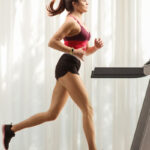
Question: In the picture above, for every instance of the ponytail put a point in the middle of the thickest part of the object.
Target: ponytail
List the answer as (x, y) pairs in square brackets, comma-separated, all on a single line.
[(58, 10), (64, 4)]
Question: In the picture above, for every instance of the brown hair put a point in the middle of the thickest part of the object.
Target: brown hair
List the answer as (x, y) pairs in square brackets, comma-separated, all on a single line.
[(63, 4)]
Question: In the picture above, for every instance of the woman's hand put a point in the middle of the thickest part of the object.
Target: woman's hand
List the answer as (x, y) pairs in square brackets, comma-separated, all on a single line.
[(98, 43), (79, 53)]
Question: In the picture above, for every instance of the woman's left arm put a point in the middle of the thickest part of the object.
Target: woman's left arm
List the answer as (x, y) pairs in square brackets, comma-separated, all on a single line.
[(97, 44)]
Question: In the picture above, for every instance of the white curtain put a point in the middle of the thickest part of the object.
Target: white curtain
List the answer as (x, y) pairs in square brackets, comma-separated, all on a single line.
[(27, 79)]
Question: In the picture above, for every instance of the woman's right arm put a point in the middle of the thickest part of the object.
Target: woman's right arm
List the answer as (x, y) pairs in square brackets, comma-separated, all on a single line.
[(64, 30)]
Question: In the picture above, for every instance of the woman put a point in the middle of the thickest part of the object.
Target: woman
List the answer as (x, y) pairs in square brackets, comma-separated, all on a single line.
[(68, 81)]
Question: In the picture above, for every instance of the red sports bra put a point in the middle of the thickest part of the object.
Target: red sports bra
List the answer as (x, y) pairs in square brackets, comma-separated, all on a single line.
[(79, 40)]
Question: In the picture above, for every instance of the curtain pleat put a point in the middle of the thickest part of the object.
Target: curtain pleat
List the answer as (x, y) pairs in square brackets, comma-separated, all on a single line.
[(27, 73)]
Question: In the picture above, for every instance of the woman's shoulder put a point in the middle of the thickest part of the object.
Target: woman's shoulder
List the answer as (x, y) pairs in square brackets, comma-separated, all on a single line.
[(68, 24), (70, 20)]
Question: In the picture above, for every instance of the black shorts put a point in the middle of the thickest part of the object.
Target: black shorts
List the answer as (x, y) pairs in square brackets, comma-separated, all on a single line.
[(67, 63)]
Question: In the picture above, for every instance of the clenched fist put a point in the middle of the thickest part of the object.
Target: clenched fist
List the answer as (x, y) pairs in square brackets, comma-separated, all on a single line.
[(98, 43)]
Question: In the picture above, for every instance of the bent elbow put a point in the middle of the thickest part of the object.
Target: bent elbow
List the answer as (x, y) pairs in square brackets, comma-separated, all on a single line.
[(50, 44)]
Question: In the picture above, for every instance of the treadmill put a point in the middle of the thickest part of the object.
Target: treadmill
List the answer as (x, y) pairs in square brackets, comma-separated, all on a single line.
[(141, 139)]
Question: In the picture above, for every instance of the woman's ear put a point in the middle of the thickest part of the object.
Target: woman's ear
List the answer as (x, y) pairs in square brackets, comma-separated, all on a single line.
[(74, 3)]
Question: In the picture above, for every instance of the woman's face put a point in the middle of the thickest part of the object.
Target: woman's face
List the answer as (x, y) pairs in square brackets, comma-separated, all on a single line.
[(82, 5)]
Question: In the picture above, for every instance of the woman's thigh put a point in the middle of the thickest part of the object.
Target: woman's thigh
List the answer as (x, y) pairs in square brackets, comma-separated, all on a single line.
[(59, 98), (76, 89)]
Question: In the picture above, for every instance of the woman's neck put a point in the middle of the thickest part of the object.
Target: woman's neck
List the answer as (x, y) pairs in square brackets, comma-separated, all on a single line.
[(77, 15)]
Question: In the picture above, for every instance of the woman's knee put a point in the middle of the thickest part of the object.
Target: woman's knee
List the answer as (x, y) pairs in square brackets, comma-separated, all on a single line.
[(88, 110), (51, 116)]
